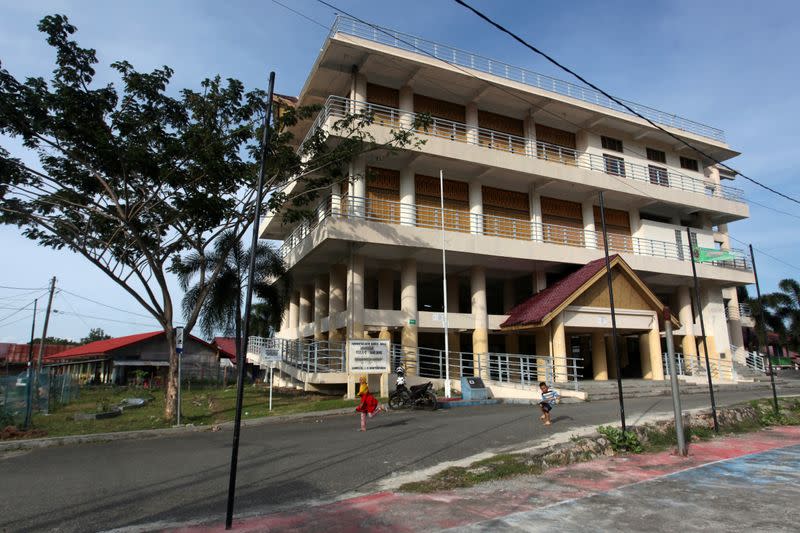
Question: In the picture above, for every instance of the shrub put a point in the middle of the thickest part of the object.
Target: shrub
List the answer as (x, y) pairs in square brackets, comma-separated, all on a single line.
[(621, 442)]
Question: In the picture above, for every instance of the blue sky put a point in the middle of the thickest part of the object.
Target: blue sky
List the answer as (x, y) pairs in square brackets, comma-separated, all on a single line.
[(730, 64)]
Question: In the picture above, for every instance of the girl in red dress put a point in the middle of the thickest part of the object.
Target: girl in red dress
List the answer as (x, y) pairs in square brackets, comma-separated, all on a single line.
[(369, 404)]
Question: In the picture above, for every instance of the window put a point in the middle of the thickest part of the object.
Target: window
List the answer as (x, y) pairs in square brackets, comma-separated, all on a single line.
[(614, 165), (656, 155), (609, 143), (658, 175), (689, 164), (679, 243)]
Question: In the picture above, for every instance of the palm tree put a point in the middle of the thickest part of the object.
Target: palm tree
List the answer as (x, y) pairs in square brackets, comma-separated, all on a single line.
[(785, 305), (222, 309)]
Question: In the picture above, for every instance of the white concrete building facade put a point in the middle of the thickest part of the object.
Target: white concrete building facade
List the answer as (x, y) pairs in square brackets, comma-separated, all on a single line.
[(524, 157)]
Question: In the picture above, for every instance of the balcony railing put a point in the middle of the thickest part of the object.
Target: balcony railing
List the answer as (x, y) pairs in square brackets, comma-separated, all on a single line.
[(392, 212), (337, 107), (465, 59)]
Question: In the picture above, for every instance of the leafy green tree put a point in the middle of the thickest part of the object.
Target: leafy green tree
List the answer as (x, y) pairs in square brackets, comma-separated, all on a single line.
[(95, 334), (783, 308), (55, 340), (133, 176)]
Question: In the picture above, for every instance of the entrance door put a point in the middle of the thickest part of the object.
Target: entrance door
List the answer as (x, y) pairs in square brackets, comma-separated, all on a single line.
[(632, 362), (580, 356)]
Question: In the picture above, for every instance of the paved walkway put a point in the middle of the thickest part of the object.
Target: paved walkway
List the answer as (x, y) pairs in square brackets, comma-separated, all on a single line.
[(747, 482)]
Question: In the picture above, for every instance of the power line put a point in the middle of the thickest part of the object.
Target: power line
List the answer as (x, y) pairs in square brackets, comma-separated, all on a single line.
[(23, 288), (40, 311), (762, 252), (63, 297), (318, 23), (614, 99), (105, 305), (101, 318)]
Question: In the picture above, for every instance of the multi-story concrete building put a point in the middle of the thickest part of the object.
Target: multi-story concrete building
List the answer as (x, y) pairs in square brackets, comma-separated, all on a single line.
[(524, 157)]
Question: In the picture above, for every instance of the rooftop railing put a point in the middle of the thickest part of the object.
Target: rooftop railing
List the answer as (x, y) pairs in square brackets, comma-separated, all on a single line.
[(393, 212), (337, 107), (465, 59)]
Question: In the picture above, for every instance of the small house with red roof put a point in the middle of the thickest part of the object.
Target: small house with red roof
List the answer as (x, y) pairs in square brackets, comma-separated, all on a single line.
[(577, 308), (143, 357)]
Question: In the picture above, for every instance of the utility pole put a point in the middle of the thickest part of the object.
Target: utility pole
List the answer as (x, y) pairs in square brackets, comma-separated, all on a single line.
[(673, 376), (242, 361), (617, 358), (29, 385), (703, 331), (44, 336), (444, 295), (763, 331)]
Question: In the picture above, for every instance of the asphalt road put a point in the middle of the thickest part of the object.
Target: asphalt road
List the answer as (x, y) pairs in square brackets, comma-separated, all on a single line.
[(93, 487)]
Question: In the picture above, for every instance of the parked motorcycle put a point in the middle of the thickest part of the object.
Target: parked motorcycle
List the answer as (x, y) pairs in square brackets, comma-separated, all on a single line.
[(417, 397)]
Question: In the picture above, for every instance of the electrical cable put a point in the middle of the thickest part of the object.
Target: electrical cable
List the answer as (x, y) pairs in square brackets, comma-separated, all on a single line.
[(105, 305), (614, 99)]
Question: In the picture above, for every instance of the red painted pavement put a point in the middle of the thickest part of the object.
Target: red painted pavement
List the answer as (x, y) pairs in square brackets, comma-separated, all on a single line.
[(388, 511)]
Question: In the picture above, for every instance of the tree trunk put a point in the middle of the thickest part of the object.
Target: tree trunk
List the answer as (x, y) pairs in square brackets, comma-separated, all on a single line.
[(171, 400)]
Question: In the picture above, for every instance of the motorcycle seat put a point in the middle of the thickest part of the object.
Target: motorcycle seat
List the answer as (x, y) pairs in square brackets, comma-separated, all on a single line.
[(420, 388)]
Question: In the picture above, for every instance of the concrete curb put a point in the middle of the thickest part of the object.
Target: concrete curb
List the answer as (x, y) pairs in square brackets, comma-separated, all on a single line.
[(48, 442)]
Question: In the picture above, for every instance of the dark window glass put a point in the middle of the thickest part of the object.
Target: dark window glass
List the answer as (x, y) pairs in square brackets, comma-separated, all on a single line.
[(658, 175), (614, 165), (656, 155), (689, 164), (609, 143)]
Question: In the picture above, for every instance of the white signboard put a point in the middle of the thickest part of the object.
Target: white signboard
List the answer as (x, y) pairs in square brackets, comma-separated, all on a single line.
[(179, 340), (368, 356), (269, 355)]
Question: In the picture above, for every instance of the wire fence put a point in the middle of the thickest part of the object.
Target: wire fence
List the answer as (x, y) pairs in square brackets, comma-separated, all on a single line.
[(51, 392)]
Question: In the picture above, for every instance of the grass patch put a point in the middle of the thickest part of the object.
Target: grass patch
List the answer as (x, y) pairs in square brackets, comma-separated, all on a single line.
[(204, 405), (498, 467), (621, 442)]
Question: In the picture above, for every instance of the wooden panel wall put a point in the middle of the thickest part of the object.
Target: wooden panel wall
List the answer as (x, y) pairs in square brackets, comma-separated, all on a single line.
[(555, 136), (565, 214), (493, 121), (383, 194), (378, 94), (456, 203), (440, 108), (626, 294), (513, 211), (618, 226)]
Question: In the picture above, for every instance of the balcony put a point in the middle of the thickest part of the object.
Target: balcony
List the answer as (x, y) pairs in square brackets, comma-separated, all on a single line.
[(337, 108), (397, 213), (461, 58)]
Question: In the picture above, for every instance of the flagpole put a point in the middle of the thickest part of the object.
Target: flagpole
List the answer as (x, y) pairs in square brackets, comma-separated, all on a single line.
[(617, 359), (762, 327), (444, 296), (702, 331)]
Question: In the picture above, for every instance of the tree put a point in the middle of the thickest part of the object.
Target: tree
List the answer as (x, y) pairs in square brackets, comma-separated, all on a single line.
[(95, 334), (55, 340), (783, 312), (221, 311), (136, 177)]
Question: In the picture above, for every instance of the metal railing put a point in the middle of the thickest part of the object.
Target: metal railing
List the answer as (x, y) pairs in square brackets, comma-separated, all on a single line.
[(756, 361), (465, 59), (338, 108), (691, 366), (745, 311), (392, 212), (329, 356), (680, 368)]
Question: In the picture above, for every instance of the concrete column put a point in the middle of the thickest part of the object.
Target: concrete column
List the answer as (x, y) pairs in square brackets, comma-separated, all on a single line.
[(408, 305), (453, 337), (321, 285), (635, 221), (688, 346), (306, 299), (358, 90), (535, 201), (650, 353), (725, 239), (480, 335), (472, 123), (539, 281), (476, 207), (359, 186), (355, 296), (590, 236), (530, 136), (542, 340), (285, 315), (559, 347), (336, 199), (406, 106), (599, 361), (294, 310), (408, 198)]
